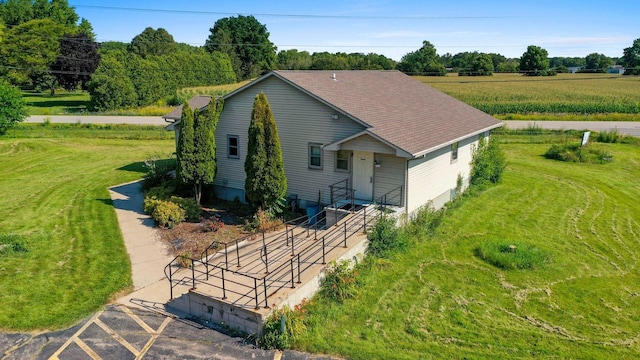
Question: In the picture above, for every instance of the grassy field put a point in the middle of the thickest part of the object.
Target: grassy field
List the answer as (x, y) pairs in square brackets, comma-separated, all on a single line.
[(60, 104), (61, 251), (440, 301), (584, 95)]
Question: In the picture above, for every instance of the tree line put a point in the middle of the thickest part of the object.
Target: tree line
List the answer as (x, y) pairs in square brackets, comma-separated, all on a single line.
[(45, 45)]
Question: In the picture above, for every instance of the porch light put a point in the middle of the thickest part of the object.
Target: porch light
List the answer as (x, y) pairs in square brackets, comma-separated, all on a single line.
[(377, 163)]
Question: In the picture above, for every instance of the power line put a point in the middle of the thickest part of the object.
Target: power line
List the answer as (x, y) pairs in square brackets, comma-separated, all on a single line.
[(309, 16)]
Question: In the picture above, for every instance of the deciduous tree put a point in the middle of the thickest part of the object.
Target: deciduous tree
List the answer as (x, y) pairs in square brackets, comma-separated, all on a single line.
[(595, 62), (110, 86), (535, 62), (13, 109), (77, 61), (16, 12), (152, 42), (423, 61), (631, 58), (479, 64), (266, 181), (246, 42), (30, 48)]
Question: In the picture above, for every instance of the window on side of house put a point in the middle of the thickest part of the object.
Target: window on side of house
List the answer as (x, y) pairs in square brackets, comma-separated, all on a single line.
[(454, 152), (315, 156), (233, 146), (343, 157)]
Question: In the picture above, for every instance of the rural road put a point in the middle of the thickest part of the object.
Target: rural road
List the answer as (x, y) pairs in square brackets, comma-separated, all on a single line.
[(625, 127)]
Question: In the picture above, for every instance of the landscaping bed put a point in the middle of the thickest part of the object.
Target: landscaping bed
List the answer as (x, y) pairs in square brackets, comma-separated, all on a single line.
[(218, 223)]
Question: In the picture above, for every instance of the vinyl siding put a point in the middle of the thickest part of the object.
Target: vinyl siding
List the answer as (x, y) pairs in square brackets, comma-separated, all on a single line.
[(367, 143), (301, 120), (389, 176), (433, 177)]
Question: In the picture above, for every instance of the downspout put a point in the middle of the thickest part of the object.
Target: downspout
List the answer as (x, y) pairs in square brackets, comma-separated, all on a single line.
[(406, 189)]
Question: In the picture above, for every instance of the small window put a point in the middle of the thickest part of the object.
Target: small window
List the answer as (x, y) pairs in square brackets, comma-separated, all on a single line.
[(315, 156), (342, 160), (454, 152), (233, 146)]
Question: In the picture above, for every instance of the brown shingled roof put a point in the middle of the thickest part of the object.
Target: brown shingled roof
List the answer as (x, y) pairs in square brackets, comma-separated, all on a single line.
[(196, 102), (397, 108)]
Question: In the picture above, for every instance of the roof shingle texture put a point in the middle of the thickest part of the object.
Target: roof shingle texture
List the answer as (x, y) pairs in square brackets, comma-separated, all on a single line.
[(399, 109), (196, 102)]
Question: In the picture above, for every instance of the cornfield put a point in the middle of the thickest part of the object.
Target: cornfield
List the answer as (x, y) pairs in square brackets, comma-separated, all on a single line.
[(564, 93), (510, 95), (216, 90)]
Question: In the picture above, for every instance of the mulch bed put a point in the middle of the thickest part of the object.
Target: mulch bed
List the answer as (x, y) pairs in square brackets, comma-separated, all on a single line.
[(192, 238)]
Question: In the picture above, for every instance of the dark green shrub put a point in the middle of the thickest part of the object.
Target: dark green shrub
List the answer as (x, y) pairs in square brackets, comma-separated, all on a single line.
[(283, 327), (162, 192), (192, 210), (612, 136), (168, 214), (578, 154), (511, 256), (339, 282), (384, 238), (488, 163)]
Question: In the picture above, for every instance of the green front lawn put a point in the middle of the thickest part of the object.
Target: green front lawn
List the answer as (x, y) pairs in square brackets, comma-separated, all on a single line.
[(70, 258), (440, 300)]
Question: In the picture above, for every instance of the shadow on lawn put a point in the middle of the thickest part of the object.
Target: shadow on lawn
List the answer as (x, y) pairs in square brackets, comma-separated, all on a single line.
[(138, 167), (60, 103)]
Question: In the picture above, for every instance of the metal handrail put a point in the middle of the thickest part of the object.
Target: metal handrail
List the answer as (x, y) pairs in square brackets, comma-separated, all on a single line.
[(287, 267), (338, 186)]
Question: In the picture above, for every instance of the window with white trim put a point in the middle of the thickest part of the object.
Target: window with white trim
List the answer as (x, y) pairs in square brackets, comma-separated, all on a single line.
[(454, 151), (315, 156), (233, 146), (343, 158)]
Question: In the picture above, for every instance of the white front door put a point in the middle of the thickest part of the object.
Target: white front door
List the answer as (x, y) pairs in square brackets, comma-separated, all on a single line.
[(363, 175)]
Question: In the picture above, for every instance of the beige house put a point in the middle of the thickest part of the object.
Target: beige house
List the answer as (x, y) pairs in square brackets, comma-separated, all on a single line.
[(379, 132)]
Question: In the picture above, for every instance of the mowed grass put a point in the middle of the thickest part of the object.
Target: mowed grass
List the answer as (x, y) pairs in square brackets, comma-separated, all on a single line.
[(440, 301), (56, 205), (594, 96), (62, 103)]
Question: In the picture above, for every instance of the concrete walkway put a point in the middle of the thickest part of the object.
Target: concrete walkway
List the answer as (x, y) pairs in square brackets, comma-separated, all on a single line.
[(148, 255)]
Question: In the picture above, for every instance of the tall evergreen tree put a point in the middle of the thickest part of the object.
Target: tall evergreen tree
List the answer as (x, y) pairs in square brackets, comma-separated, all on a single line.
[(185, 152), (205, 146), (266, 180)]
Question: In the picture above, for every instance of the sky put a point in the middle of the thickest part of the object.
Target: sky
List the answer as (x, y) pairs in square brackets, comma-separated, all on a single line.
[(391, 28)]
